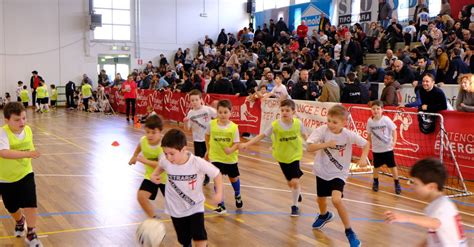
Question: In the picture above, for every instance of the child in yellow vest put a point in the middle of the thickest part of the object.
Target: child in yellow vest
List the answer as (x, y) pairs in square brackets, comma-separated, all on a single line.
[(17, 181), (54, 95), (24, 96), (287, 144), (150, 150), (86, 91), (40, 94), (222, 138), (45, 101)]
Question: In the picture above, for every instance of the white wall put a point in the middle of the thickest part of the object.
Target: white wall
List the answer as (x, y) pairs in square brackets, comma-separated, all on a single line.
[(166, 25), (52, 36)]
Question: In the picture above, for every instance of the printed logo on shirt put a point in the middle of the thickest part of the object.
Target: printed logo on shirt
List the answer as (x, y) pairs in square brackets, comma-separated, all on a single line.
[(203, 115), (180, 193), (287, 139), (333, 160), (376, 135), (222, 139), (182, 177)]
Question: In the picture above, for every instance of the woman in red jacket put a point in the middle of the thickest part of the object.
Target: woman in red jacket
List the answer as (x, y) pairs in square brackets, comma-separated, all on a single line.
[(129, 90)]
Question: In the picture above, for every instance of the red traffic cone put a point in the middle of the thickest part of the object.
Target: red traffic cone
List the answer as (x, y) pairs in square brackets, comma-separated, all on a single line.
[(136, 123), (115, 144)]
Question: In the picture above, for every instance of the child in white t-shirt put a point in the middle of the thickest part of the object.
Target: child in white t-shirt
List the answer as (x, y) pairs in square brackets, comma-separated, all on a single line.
[(197, 120), (184, 200), (279, 90), (333, 145), (442, 219), (383, 137)]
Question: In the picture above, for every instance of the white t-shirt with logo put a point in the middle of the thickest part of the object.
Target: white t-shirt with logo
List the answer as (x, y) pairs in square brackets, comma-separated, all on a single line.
[(184, 196), (381, 131), (450, 233), (199, 121), (331, 163)]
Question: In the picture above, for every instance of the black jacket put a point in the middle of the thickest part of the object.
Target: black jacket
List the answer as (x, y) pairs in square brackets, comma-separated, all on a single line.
[(70, 87), (223, 86)]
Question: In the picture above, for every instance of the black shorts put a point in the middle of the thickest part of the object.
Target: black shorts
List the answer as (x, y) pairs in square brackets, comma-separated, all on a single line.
[(232, 170), (25, 104), (190, 228), (385, 158), (200, 149), (151, 187), (291, 170), (19, 194), (45, 100), (53, 102), (324, 188)]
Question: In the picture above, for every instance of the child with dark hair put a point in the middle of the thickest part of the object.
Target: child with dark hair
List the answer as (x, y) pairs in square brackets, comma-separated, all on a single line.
[(151, 151), (442, 219), (184, 200)]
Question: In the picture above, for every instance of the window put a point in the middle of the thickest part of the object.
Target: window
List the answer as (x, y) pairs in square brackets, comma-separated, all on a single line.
[(115, 19), (302, 1)]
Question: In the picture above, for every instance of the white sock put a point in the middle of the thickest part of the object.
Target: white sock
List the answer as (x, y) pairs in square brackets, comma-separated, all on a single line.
[(295, 193)]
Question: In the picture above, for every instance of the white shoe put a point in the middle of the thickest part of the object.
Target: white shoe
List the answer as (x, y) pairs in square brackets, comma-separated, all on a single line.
[(35, 242)]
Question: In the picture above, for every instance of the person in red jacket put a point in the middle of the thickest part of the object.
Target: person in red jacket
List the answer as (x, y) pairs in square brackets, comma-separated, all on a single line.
[(129, 90), (302, 32)]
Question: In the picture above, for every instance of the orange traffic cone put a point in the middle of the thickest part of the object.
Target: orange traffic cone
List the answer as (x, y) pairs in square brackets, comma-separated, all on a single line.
[(136, 123)]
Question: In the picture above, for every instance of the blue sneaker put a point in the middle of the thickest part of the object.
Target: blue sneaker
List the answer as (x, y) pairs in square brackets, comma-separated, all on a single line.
[(353, 240), (320, 222), (295, 211)]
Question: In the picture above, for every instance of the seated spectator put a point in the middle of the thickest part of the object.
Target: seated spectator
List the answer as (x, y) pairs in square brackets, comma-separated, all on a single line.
[(465, 99), (329, 63), (403, 74), (287, 81), (388, 60), (389, 95), (442, 63), (409, 33), (304, 89), (456, 67), (330, 91), (187, 84), (223, 85), (103, 79), (424, 67), (279, 91), (351, 93), (239, 88), (118, 81)]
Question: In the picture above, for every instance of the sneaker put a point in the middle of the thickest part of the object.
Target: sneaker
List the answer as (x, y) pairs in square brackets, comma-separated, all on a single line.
[(220, 209), (320, 222), (238, 201), (295, 211), (375, 186), (206, 180), (128, 119), (300, 198), (398, 189), (353, 240), (20, 229), (33, 241)]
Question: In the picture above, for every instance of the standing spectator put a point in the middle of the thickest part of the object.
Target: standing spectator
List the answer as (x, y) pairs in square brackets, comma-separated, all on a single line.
[(188, 59), (179, 56), (163, 60), (302, 32), (385, 12), (86, 79), (389, 95), (129, 90), (222, 38), (432, 98), (445, 8), (103, 79), (70, 89), (465, 99), (280, 26), (403, 74), (420, 7), (330, 63), (330, 91), (348, 55), (34, 84), (323, 21)]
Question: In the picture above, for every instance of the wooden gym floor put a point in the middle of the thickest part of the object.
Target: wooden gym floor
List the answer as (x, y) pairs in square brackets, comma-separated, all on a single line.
[(87, 195)]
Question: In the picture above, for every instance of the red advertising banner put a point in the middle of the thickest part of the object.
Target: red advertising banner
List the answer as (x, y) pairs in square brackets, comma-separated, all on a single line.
[(175, 106)]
